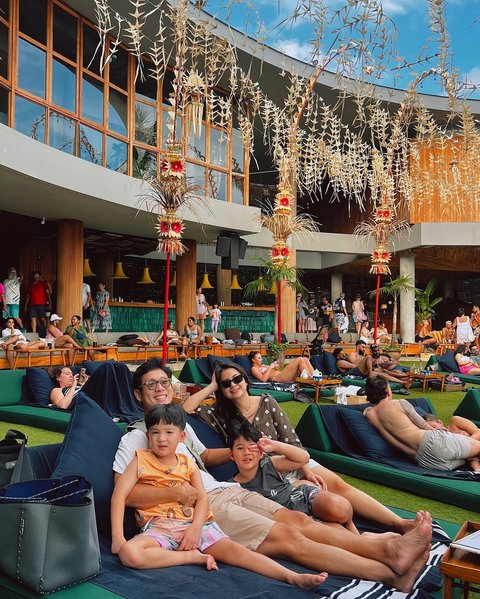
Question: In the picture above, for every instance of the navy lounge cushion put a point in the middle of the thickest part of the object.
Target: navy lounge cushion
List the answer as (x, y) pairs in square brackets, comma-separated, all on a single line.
[(318, 362), (244, 362), (205, 367), (212, 440), (447, 361), (88, 449), (92, 366), (212, 360), (373, 444), (40, 384), (330, 363)]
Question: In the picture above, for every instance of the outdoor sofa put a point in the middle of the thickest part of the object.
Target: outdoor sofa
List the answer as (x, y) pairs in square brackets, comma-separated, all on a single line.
[(88, 449), (340, 438)]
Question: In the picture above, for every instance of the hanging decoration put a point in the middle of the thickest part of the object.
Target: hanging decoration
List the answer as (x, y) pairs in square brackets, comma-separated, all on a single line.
[(194, 95)]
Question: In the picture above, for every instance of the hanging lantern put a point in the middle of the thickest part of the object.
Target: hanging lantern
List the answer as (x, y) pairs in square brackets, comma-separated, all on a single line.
[(380, 259), (273, 289), (205, 284), (119, 274), (146, 278), (174, 280), (194, 92), (235, 284), (170, 228), (87, 271)]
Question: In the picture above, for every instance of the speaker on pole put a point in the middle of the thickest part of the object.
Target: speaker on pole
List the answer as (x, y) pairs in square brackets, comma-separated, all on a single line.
[(223, 246)]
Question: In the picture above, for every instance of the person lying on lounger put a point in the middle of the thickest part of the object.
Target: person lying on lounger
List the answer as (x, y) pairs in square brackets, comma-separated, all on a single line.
[(272, 372), (399, 424)]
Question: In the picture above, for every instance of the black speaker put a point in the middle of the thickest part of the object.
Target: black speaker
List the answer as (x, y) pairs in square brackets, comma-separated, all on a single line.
[(223, 246), (242, 248)]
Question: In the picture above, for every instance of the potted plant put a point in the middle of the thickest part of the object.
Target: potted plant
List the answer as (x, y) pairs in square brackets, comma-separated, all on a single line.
[(425, 302), (276, 352)]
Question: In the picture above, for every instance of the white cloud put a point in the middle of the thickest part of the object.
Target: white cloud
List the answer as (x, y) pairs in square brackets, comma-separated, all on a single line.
[(295, 49), (473, 76), (399, 7)]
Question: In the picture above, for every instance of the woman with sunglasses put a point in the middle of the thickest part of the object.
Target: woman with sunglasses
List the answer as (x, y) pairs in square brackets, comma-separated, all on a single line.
[(272, 372), (233, 402)]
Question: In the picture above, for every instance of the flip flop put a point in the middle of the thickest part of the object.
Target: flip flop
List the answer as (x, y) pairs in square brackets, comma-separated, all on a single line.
[(401, 392)]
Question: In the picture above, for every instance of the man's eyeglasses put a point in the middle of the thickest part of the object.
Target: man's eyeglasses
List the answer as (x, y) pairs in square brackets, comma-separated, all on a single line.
[(152, 384), (235, 380)]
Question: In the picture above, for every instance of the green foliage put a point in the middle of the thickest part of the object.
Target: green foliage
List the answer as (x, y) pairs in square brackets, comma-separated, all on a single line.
[(273, 274), (393, 289), (273, 349), (425, 302)]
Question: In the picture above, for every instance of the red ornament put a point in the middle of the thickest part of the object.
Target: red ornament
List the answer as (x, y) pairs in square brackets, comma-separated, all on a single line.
[(284, 251), (284, 201), (176, 166), (164, 227), (275, 252), (177, 227)]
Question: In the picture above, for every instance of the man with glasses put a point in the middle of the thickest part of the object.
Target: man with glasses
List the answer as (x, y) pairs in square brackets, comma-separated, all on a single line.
[(12, 296), (263, 525)]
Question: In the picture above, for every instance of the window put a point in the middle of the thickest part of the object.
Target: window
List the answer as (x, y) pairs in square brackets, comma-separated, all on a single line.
[(238, 152), (90, 143), (30, 119), (116, 155), (64, 33), (3, 51), (4, 9), (238, 184), (31, 68), (144, 163), (146, 123), (91, 51), (3, 106), (117, 112), (62, 133), (218, 147), (217, 185), (195, 174), (119, 69), (147, 89), (196, 146), (92, 99), (64, 79), (35, 28)]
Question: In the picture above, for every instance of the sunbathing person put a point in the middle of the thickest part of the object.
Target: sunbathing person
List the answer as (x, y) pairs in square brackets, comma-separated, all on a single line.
[(19, 340), (399, 424), (272, 372), (262, 473), (460, 426), (109, 386), (465, 363), (358, 364)]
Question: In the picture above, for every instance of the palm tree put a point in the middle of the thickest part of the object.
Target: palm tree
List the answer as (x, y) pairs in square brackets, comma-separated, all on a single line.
[(275, 274), (393, 289)]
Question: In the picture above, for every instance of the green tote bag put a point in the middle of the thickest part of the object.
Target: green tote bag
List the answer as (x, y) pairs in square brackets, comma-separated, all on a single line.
[(49, 537)]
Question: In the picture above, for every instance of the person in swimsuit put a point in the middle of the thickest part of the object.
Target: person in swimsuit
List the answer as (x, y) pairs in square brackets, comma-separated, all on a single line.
[(272, 372), (192, 336)]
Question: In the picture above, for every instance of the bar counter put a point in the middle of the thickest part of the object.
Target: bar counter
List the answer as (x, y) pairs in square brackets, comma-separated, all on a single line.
[(146, 317)]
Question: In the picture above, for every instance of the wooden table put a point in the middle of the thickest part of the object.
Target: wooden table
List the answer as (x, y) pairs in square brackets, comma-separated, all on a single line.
[(461, 565), (47, 351), (325, 382), (426, 378), (106, 349)]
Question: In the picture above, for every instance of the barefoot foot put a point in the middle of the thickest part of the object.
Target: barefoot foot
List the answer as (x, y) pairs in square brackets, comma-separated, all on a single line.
[(406, 582), (203, 559), (307, 581), (407, 525), (401, 553)]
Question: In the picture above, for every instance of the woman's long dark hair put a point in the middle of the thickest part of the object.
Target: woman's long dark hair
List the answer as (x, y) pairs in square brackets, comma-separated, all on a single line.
[(225, 408)]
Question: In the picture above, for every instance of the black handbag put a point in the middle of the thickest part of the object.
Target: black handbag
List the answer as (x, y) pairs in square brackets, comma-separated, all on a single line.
[(49, 537), (14, 461)]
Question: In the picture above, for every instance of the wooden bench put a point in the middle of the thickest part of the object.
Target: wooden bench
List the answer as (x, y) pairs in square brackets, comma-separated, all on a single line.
[(39, 353), (411, 349)]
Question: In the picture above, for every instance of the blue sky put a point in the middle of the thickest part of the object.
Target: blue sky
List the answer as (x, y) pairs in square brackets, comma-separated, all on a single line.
[(410, 18)]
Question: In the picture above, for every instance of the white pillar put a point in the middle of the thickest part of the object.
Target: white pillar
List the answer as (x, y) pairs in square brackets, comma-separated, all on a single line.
[(407, 300), (336, 285)]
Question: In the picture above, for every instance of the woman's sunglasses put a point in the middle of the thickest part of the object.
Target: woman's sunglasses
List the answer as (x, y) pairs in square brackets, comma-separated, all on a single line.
[(235, 380)]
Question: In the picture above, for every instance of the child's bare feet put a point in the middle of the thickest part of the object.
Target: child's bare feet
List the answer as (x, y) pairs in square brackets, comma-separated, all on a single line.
[(203, 559), (307, 581)]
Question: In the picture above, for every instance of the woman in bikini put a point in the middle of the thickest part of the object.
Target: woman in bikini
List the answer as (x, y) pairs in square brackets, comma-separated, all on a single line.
[(272, 372)]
